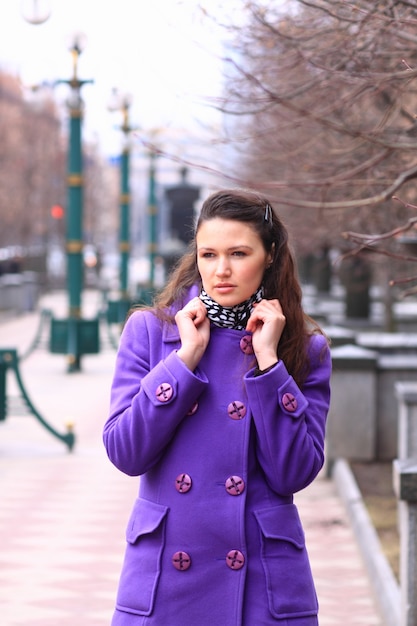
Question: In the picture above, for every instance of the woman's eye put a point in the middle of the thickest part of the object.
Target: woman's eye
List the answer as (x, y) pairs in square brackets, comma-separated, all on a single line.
[(207, 255), (239, 253)]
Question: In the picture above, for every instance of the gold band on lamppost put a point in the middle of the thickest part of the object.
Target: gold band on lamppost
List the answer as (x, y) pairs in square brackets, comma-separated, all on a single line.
[(75, 180), (124, 246), (74, 246), (76, 112), (125, 198)]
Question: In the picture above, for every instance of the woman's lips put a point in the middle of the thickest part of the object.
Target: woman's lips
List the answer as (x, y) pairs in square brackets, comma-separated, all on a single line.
[(224, 287)]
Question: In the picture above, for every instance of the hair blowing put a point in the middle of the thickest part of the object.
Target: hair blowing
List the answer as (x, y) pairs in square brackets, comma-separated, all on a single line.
[(280, 279)]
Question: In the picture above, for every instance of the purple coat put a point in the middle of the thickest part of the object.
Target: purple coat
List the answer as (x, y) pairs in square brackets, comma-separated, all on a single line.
[(214, 536)]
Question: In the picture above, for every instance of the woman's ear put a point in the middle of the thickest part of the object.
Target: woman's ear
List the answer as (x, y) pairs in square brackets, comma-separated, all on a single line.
[(270, 257)]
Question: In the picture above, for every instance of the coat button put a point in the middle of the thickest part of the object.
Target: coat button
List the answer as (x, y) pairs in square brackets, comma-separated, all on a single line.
[(235, 485), (183, 483), (193, 409), (235, 559), (236, 410), (164, 392), (181, 561), (246, 344), (289, 402)]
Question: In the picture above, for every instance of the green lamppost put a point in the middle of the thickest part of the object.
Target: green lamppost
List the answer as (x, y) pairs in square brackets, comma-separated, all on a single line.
[(117, 309), (70, 336), (146, 292), (153, 217)]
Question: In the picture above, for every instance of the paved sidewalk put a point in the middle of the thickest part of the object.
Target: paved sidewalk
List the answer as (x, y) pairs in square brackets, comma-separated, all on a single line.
[(63, 515)]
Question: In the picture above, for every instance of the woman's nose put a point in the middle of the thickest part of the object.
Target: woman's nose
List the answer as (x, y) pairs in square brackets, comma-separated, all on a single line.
[(223, 267)]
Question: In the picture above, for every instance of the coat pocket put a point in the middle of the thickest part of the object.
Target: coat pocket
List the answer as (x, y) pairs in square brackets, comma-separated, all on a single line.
[(145, 536), (289, 581)]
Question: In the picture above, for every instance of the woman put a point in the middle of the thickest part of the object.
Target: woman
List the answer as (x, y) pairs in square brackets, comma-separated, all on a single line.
[(219, 403)]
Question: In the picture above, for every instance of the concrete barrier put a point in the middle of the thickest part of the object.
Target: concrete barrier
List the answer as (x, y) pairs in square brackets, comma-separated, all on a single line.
[(351, 427), (19, 292), (405, 487)]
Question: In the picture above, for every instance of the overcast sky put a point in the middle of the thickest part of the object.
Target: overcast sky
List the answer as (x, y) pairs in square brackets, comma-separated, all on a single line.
[(166, 53)]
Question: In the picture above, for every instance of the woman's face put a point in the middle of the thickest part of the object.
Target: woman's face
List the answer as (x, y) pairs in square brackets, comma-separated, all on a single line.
[(231, 260)]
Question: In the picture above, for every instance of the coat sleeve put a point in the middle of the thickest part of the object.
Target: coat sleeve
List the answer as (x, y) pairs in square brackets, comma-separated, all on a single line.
[(150, 396), (290, 422)]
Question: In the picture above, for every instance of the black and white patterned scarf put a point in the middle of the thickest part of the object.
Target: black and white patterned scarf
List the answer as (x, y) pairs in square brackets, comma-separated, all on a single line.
[(230, 316)]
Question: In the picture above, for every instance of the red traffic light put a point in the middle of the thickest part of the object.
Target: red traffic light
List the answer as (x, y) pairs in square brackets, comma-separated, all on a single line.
[(57, 212)]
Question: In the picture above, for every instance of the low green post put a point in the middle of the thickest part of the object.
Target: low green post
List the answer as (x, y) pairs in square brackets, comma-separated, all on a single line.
[(3, 380)]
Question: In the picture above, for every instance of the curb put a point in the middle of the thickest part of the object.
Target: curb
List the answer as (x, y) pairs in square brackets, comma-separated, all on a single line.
[(386, 589)]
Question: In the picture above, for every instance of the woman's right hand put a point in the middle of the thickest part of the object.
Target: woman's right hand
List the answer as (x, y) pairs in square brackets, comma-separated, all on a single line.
[(194, 328)]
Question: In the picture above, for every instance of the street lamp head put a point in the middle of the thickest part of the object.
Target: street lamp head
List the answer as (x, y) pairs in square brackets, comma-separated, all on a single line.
[(122, 102), (35, 11), (76, 45), (114, 100), (119, 101), (77, 42), (127, 100)]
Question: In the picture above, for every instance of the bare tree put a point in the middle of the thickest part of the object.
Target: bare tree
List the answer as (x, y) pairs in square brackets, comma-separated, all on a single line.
[(327, 94), (321, 94)]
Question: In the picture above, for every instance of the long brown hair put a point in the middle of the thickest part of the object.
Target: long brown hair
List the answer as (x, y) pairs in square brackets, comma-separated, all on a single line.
[(280, 279)]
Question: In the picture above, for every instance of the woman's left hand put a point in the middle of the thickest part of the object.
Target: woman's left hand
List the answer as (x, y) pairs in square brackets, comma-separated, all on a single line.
[(266, 325)]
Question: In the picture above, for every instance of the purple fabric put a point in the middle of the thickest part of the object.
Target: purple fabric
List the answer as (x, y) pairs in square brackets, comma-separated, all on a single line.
[(273, 451)]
